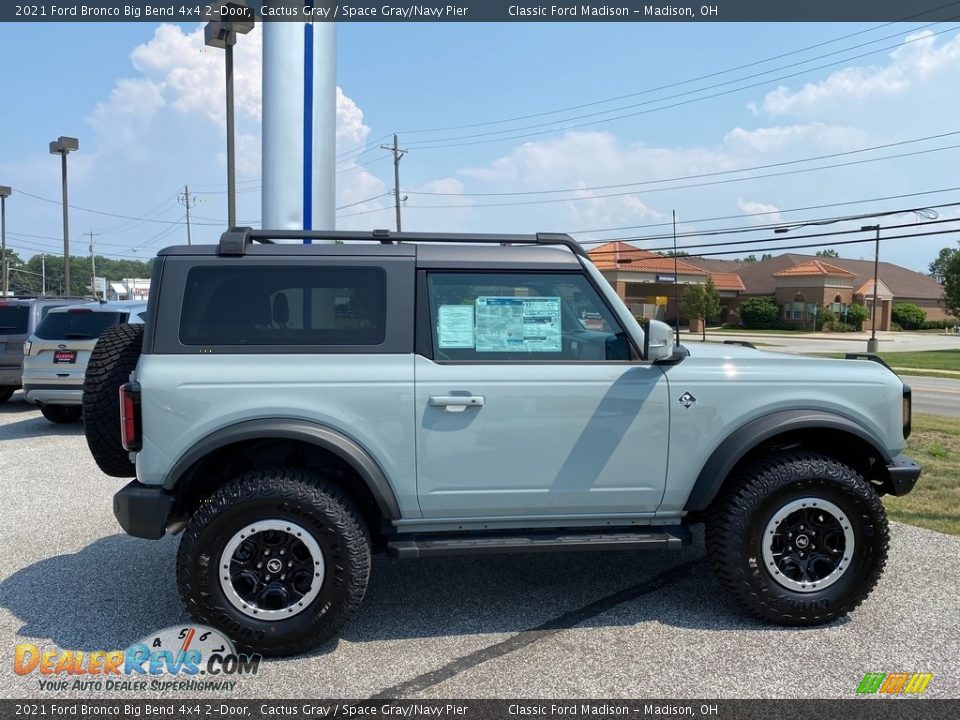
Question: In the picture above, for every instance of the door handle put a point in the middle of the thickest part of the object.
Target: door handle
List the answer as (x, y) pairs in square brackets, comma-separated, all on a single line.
[(456, 403)]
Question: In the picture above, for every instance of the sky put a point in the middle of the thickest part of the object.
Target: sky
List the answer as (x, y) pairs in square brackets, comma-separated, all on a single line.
[(630, 121)]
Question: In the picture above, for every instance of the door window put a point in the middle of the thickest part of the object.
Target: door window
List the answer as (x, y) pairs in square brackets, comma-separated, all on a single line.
[(537, 317)]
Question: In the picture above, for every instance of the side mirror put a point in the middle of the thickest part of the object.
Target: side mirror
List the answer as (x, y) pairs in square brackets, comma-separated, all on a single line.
[(657, 341)]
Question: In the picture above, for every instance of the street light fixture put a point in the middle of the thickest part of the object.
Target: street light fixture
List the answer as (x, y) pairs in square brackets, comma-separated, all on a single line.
[(221, 33), (4, 194), (63, 146), (872, 344)]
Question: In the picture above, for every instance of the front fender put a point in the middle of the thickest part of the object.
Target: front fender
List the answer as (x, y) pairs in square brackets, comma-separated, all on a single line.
[(745, 438)]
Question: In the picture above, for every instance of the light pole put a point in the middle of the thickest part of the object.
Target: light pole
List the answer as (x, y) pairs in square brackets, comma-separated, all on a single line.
[(222, 33), (872, 344), (4, 194), (63, 146)]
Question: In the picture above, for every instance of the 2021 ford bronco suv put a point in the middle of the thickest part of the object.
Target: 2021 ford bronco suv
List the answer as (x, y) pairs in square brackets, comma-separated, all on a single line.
[(293, 407)]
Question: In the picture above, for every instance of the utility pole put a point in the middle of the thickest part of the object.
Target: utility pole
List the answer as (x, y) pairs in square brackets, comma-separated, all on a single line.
[(4, 194), (93, 264), (872, 343), (188, 201), (43, 274), (397, 154)]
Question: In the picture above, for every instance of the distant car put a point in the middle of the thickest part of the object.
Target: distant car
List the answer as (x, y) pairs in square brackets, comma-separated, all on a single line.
[(56, 355), (19, 317)]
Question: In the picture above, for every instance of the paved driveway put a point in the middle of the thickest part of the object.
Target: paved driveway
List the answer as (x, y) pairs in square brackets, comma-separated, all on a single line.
[(577, 625)]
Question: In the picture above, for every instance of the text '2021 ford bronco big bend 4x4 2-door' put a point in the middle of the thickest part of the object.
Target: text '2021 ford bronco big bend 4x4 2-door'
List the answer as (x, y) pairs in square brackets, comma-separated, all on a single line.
[(293, 407)]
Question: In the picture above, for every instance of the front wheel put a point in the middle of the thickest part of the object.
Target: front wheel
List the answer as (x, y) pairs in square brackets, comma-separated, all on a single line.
[(278, 559), (61, 413), (799, 539)]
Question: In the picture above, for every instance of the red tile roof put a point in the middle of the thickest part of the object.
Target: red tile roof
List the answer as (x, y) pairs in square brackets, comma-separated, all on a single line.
[(623, 256), (728, 281), (814, 267)]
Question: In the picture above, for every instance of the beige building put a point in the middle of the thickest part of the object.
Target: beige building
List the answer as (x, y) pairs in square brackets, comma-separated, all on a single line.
[(801, 284)]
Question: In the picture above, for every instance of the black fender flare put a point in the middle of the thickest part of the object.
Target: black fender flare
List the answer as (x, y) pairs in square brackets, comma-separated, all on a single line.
[(745, 438), (294, 429)]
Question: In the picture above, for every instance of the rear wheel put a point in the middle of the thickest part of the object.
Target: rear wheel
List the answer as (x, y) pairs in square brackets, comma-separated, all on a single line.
[(6, 392), (800, 539), (113, 359), (61, 413), (278, 559)]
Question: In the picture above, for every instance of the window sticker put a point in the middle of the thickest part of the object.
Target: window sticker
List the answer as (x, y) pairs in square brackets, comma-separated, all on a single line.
[(505, 324), (455, 326)]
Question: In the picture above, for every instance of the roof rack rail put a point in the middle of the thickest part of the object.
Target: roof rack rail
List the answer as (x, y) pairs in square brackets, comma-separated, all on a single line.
[(236, 240)]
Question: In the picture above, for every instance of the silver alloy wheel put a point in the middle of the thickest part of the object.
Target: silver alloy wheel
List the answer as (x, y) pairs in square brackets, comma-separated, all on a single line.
[(807, 545), (271, 570)]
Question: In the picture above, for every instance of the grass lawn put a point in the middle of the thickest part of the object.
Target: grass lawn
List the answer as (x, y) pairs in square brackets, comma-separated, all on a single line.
[(928, 361), (935, 501), (745, 331)]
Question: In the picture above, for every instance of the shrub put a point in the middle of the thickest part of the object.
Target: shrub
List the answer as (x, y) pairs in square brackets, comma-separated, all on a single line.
[(908, 316), (856, 316), (760, 312), (937, 324)]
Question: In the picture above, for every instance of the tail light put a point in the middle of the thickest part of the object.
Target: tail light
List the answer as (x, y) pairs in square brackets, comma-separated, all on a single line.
[(130, 431), (907, 410)]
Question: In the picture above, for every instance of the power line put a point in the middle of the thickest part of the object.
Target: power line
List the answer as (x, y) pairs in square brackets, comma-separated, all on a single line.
[(761, 214), (694, 185), (683, 82), (103, 212), (715, 173), (761, 241), (839, 242), (487, 137), (742, 229)]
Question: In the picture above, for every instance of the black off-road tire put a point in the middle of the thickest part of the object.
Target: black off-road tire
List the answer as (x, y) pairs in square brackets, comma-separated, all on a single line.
[(113, 359), (61, 414), (6, 392), (736, 524), (288, 495)]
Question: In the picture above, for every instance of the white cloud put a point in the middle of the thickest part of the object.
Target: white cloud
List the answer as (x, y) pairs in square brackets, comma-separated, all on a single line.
[(915, 61), (763, 213), (778, 138), (121, 119)]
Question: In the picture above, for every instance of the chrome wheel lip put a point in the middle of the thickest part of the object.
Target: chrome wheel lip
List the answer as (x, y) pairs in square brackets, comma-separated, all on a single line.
[(288, 528), (770, 531)]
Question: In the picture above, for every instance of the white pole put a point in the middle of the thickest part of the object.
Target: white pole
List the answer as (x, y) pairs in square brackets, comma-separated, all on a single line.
[(299, 148)]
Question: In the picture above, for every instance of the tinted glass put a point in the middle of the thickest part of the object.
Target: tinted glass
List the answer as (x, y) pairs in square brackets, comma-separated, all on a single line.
[(77, 325), (522, 316), (284, 306), (13, 319)]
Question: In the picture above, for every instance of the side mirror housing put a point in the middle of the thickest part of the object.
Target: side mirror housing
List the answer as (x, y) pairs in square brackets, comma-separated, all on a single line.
[(657, 341)]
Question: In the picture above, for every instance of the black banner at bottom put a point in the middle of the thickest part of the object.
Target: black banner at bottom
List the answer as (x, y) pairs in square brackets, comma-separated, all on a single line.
[(855, 709)]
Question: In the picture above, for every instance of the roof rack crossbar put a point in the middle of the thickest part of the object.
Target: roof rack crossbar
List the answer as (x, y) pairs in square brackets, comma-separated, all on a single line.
[(236, 240)]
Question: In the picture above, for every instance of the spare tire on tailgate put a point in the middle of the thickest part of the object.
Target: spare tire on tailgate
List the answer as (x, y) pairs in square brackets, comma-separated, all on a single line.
[(113, 359)]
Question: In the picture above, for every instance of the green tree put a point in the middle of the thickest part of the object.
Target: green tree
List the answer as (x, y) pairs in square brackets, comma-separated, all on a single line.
[(939, 266), (856, 315), (760, 312), (702, 302), (751, 258), (830, 253), (766, 256), (676, 253), (908, 316), (951, 285)]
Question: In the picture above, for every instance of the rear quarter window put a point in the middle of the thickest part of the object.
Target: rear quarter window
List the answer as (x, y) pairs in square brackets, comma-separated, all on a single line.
[(273, 306), (77, 325), (14, 319)]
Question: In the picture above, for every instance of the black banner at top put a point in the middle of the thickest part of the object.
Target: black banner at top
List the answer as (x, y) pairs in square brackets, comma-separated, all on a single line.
[(481, 11)]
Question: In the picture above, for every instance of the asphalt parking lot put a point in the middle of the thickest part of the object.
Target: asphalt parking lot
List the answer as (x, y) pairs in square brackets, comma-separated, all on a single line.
[(576, 625)]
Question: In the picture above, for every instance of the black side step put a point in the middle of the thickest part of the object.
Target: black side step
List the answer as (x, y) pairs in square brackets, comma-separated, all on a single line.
[(658, 538)]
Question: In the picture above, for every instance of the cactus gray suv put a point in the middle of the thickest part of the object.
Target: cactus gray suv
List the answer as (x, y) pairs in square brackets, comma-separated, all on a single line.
[(292, 408)]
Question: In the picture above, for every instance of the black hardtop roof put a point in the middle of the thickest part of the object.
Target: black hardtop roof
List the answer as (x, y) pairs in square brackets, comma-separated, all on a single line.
[(430, 249)]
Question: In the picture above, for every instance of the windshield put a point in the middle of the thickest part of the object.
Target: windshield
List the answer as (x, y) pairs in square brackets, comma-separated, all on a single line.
[(74, 325), (13, 319)]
